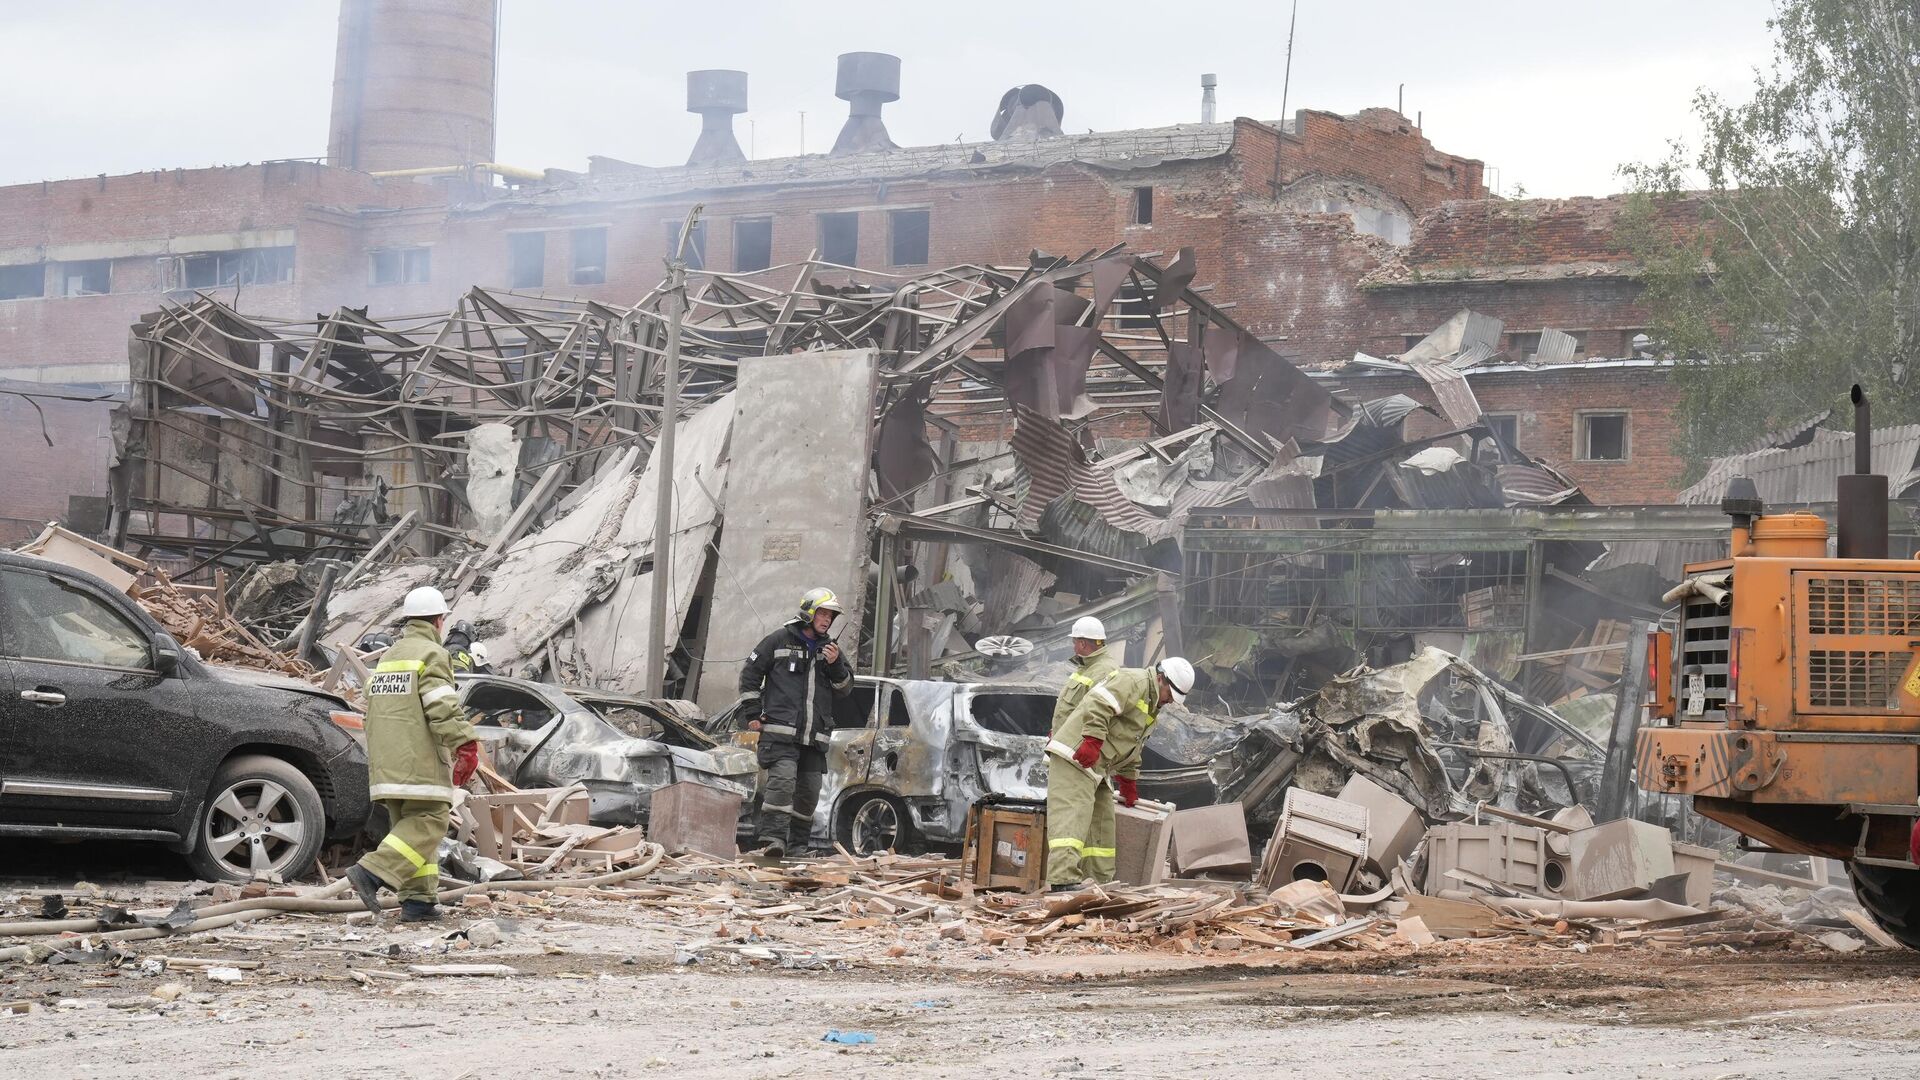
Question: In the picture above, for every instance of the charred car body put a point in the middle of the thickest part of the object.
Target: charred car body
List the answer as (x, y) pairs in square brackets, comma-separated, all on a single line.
[(621, 748)]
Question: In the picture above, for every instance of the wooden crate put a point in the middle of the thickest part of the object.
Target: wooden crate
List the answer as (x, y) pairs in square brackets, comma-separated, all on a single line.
[(686, 816), (1006, 845)]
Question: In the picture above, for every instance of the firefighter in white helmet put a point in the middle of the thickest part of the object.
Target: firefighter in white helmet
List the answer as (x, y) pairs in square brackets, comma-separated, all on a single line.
[(1100, 743), (1092, 663), (420, 747)]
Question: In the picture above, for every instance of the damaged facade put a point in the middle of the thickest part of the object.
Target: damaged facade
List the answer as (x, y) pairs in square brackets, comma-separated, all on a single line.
[(1305, 226)]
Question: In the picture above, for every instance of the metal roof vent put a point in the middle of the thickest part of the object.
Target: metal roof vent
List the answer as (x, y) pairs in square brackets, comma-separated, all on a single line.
[(1028, 112), (867, 81), (716, 94)]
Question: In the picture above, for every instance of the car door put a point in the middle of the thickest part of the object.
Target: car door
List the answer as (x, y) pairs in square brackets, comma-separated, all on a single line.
[(91, 733)]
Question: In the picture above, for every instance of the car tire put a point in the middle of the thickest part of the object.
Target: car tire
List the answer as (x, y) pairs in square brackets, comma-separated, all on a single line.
[(867, 819), (262, 815), (1891, 895)]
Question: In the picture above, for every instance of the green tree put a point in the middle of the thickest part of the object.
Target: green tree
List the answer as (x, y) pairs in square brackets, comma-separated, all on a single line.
[(1795, 272)]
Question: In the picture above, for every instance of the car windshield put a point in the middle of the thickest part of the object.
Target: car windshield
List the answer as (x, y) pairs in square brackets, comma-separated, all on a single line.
[(1013, 713), (496, 705)]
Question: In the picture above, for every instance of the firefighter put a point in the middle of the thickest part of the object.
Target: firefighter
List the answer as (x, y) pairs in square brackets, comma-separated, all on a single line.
[(1099, 742), (787, 686), (460, 647), (1092, 663), (420, 747)]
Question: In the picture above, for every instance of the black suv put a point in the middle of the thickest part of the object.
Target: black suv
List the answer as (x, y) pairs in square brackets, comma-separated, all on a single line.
[(108, 728)]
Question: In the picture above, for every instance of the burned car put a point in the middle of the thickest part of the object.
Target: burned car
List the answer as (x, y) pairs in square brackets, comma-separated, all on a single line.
[(621, 748), (908, 758)]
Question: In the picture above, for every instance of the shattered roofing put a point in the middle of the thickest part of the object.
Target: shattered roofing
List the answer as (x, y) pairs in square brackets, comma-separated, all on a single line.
[(1811, 473), (1138, 148)]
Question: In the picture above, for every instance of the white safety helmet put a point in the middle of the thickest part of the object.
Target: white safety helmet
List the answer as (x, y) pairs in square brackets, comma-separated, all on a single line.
[(479, 652), (424, 602), (1090, 628), (1179, 675)]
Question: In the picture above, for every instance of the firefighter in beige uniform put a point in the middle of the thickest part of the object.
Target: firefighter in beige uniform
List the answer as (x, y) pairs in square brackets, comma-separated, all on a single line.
[(1101, 741), (420, 747), (1092, 663)]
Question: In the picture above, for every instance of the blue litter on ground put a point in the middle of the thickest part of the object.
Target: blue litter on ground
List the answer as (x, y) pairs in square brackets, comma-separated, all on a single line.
[(849, 1038), (933, 1004)]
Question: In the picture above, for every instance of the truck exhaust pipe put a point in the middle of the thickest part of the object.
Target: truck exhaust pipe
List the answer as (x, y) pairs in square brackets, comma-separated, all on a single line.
[(1862, 508)]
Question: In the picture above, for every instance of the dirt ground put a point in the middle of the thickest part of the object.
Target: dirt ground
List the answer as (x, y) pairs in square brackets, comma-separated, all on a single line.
[(607, 989)]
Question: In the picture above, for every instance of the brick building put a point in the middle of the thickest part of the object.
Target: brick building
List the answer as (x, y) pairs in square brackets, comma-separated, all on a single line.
[(1326, 236)]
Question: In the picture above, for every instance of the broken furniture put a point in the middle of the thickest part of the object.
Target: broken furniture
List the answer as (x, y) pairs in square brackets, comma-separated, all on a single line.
[(1319, 839)]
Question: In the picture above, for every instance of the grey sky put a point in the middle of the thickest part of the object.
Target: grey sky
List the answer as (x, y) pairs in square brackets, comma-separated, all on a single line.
[(1553, 95)]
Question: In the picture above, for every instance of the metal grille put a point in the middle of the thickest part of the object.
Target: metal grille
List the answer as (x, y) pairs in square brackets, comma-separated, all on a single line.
[(1855, 679), (1704, 635), (1863, 605)]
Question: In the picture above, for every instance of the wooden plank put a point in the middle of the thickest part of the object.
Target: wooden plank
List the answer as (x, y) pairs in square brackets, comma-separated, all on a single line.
[(1864, 923)]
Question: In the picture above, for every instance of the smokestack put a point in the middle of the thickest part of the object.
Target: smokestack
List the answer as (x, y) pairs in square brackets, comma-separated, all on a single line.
[(867, 80), (1027, 112), (413, 84), (1207, 83), (1862, 509), (716, 94)]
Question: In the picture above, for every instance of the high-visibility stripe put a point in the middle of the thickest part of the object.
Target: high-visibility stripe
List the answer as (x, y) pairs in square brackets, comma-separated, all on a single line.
[(1142, 703), (784, 808), (754, 694), (1065, 754), (405, 849), (1098, 852), (1107, 697), (1066, 842), (438, 693), (401, 665), (432, 792), (1079, 678), (428, 870), (776, 729)]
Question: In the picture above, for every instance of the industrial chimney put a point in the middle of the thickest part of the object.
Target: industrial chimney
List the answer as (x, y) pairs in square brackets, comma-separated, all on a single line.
[(413, 84), (1028, 112), (867, 81), (716, 94), (1207, 83)]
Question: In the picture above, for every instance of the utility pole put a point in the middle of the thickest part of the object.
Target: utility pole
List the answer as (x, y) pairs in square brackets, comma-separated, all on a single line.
[(662, 465)]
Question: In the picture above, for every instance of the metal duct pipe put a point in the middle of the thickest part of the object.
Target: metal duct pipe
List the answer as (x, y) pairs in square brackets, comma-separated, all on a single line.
[(1862, 508), (866, 81), (716, 94), (1207, 83)]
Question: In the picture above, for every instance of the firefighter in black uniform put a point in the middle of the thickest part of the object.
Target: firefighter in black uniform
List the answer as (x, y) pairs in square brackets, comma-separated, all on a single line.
[(788, 685)]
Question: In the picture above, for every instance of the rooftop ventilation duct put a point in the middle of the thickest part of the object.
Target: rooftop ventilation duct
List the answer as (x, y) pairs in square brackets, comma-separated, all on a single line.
[(716, 95), (1028, 112), (867, 81)]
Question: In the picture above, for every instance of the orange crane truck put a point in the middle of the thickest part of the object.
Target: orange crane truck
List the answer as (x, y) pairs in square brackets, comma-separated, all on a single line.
[(1786, 699)]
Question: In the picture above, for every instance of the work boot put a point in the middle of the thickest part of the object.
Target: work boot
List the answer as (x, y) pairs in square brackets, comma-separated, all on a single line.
[(367, 887), (773, 849), (419, 911)]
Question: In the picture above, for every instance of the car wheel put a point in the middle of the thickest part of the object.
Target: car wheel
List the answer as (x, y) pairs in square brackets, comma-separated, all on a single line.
[(873, 824), (262, 816)]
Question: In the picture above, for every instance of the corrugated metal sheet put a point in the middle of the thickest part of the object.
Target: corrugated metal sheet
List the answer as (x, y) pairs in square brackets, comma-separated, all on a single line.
[(1811, 473), (1450, 389), (1534, 485), (1056, 466)]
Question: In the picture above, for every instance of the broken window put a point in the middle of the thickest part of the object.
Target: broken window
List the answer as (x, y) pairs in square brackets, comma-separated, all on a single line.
[(23, 282), (1131, 311), (89, 278), (1601, 437), (243, 266), (909, 231), (492, 705), (526, 260), (854, 710), (401, 266), (840, 238), (695, 252), (1506, 425), (589, 256), (1521, 347), (1013, 713), (1143, 206), (752, 244)]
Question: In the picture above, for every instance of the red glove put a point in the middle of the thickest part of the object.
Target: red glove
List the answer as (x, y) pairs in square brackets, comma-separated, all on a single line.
[(1088, 754), (465, 760), (1129, 790), (1913, 843)]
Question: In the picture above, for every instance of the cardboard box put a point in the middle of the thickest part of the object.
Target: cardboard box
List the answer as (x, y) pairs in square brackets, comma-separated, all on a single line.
[(1006, 845), (1141, 838), (1211, 840), (1619, 858), (694, 817), (1394, 826)]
